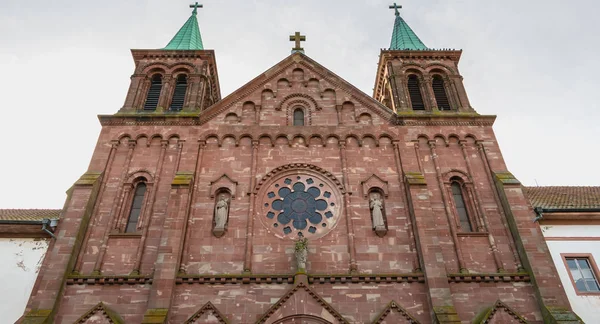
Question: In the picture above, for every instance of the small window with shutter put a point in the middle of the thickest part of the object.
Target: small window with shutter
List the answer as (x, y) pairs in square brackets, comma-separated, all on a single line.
[(179, 93), (414, 92), (153, 92), (439, 92)]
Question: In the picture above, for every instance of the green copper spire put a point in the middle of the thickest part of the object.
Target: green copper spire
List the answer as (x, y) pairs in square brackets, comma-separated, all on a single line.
[(188, 37), (403, 37)]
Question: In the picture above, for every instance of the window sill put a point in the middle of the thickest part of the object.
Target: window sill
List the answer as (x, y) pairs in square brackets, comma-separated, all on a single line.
[(472, 234), (586, 293), (125, 235)]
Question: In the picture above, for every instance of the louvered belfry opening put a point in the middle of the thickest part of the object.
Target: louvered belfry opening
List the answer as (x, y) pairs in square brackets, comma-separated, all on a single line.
[(153, 93), (179, 93), (414, 91), (439, 91)]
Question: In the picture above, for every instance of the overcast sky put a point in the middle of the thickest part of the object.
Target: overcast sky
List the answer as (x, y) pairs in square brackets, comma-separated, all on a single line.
[(535, 64)]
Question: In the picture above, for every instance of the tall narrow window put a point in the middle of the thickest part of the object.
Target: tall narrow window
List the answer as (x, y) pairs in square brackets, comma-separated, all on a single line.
[(153, 93), (583, 275), (461, 207), (414, 91), (439, 91), (136, 208), (299, 117), (179, 93)]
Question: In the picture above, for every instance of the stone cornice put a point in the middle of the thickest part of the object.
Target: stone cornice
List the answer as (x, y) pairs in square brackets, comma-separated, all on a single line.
[(108, 280), (195, 119), (312, 279), (443, 119), (488, 277)]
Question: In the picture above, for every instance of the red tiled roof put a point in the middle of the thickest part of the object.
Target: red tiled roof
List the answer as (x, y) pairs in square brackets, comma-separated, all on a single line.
[(28, 214), (564, 197)]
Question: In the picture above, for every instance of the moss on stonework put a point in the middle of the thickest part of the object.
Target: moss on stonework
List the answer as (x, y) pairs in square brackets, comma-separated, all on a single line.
[(183, 178), (415, 178), (155, 316), (560, 315), (37, 316), (506, 178), (446, 314)]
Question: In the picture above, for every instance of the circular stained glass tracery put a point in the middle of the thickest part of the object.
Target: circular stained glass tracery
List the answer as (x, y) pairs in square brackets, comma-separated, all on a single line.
[(300, 206)]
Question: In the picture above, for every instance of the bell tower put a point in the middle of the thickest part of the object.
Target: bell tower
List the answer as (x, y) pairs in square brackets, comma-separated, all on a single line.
[(179, 78), (414, 78)]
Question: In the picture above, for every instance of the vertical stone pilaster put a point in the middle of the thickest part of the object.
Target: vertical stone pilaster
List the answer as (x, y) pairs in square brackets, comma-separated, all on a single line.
[(433, 266), (481, 211), (250, 221), (185, 253), (347, 209), (449, 215), (113, 218), (169, 250), (533, 250), (106, 174), (63, 251), (147, 216)]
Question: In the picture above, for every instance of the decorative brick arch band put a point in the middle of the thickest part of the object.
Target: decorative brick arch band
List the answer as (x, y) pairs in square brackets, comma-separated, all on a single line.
[(299, 167)]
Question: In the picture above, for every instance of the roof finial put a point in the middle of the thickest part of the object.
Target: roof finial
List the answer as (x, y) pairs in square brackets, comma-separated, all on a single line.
[(297, 38), (395, 7), (196, 6)]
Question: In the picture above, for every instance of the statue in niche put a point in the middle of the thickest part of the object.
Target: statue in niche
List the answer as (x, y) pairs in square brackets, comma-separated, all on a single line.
[(221, 214), (377, 213)]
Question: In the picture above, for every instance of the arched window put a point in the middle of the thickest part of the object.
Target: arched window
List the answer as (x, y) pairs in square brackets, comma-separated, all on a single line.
[(179, 93), (414, 92), (461, 207), (439, 91), (136, 208), (298, 117), (153, 92)]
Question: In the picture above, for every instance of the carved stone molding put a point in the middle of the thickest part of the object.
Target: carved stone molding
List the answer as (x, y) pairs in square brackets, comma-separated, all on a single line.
[(223, 181), (109, 280), (489, 277), (374, 181)]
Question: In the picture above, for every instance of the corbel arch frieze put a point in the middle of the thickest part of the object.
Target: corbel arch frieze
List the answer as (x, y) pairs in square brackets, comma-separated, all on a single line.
[(299, 167)]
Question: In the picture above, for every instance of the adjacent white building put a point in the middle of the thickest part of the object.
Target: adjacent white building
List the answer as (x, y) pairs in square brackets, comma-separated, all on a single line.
[(570, 221), (23, 245)]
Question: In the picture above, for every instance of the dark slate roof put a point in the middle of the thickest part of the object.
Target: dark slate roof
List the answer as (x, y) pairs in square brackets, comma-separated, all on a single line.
[(28, 214), (564, 197)]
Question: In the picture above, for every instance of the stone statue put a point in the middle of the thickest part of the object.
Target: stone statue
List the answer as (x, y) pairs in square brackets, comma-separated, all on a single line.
[(376, 205), (221, 211)]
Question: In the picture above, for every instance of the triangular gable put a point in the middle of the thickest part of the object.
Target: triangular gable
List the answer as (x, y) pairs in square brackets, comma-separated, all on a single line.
[(300, 290), (210, 311), (308, 63), (499, 313), (100, 314), (401, 313)]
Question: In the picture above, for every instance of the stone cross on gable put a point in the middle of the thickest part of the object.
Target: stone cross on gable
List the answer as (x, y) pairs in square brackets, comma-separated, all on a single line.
[(196, 6), (396, 7), (297, 38)]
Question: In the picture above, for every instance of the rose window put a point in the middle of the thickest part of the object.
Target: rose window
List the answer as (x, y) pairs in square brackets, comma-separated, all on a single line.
[(300, 206)]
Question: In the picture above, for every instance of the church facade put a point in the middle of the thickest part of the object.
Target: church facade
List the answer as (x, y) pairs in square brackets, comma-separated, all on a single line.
[(297, 199)]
